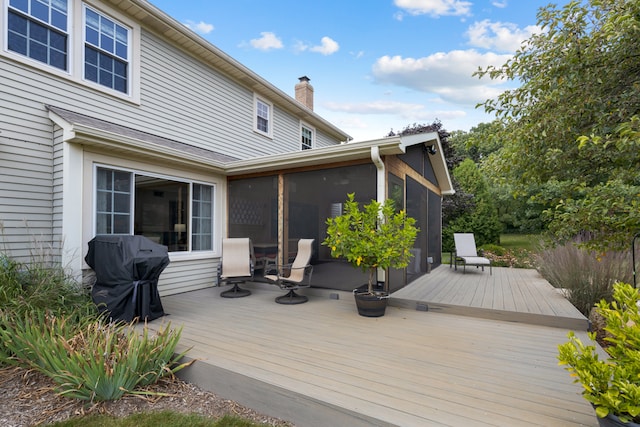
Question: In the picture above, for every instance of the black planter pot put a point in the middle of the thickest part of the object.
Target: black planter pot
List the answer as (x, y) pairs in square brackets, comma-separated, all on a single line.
[(613, 421), (371, 305)]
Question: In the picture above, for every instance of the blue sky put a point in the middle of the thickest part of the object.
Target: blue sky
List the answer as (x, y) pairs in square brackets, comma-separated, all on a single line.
[(375, 65)]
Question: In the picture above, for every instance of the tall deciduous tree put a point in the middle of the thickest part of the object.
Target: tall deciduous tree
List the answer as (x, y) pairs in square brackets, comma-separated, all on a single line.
[(571, 128)]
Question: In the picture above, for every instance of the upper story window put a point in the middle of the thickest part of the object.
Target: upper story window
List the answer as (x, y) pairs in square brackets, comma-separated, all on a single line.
[(307, 137), (88, 43), (106, 51), (263, 117), (37, 29)]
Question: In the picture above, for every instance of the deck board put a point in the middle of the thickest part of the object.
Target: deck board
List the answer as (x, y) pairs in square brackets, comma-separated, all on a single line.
[(516, 295), (305, 362)]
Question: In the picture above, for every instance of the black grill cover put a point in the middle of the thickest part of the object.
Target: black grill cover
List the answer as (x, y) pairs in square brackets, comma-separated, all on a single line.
[(127, 271)]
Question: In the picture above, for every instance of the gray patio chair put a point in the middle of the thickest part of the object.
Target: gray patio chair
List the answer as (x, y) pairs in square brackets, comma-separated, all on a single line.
[(236, 266), (466, 253), (293, 276)]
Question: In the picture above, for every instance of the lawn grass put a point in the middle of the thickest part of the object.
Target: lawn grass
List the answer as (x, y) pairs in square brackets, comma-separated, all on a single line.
[(520, 241), (155, 419), (510, 242)]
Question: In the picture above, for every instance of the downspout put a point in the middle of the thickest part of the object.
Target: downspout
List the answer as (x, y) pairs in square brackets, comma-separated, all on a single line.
[(380, 196), (380, 178)]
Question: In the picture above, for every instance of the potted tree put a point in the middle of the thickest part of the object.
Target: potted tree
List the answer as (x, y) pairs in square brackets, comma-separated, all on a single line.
[(612, 385), (376, 236)]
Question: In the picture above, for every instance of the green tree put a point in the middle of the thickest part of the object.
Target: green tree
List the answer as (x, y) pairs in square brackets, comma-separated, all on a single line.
[(482, 218), (570, 130), (457, 204)]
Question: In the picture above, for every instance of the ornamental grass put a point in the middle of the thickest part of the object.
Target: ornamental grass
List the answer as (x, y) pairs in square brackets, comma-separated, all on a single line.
[(92, 360)]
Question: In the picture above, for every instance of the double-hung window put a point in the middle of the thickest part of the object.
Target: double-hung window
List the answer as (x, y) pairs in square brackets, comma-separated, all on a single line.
[(174, 213), (37, 29), (106, 51), (90, 44), (263, 117), (306, 136)]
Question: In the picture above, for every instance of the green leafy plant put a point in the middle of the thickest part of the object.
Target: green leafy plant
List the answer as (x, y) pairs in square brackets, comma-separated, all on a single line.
[(92, 359), (612, 386), (376, 236)]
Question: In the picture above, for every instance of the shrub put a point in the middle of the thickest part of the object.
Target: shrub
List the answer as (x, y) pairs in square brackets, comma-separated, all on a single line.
[(502, 257), (587, 276), (41, 286), (90, 360), (612, 386)]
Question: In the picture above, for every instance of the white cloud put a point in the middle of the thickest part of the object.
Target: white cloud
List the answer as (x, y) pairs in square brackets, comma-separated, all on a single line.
[(300, 47), (200, 27), (448, 75), (404, 110), (328, 46), (499, 3), (501, 36), (377, 107), (373, 120), (267, 41), (434, 8)]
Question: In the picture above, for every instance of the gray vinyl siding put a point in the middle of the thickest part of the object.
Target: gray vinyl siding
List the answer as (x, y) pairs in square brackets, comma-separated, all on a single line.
[(322, 140), (26, 164), (185, 276), (57, 186)]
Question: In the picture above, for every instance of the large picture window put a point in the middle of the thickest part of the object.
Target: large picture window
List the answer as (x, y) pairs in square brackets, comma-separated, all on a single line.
[(173, 213), (37, 29)]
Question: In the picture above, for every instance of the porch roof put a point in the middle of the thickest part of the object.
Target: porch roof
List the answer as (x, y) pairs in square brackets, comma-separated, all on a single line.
[(82, 129)]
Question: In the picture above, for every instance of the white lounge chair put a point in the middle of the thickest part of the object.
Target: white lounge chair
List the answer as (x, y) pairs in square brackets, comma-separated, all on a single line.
[(293, 276), (466, 253), (236, 266)]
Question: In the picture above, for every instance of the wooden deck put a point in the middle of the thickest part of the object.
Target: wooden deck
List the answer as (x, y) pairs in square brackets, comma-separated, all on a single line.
[(510, 294), (320, 364)]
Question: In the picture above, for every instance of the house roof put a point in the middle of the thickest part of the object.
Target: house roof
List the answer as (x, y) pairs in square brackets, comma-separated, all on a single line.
[(82, 129), (86, 130), (187, 40)]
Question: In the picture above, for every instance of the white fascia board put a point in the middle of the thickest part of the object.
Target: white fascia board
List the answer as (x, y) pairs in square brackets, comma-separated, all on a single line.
[(440, 165), (317, 156)]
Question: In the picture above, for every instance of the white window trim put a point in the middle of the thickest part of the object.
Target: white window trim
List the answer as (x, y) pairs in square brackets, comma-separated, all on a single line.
[(313, 134), (75, 54), (179, 254), (257, 98)]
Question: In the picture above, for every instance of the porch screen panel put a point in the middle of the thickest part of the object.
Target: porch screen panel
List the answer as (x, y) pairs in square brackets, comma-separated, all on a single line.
[(310, 198), (435, 228), (395, 191), (417, 207), (253, 213)]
